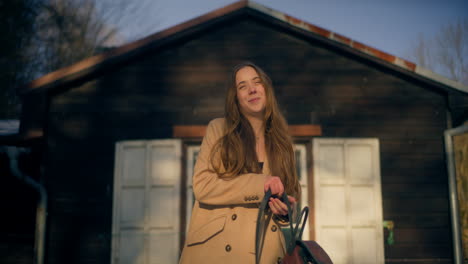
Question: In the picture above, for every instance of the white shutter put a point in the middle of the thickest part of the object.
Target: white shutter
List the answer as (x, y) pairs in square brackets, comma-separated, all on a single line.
[(301, 163), (192, 154), (145, 225), (348, 199)]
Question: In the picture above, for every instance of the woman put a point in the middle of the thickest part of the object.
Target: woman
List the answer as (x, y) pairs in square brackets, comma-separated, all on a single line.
[(242, 156)]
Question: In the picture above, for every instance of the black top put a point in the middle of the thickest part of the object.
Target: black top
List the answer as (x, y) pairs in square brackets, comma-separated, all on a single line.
[(261, 165)]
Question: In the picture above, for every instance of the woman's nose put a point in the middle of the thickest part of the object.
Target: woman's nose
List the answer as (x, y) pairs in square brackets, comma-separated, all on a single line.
[(252, 89)]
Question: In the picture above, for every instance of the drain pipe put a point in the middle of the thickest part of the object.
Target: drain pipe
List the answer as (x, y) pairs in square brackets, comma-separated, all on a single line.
[(41, 210), (454, 207)]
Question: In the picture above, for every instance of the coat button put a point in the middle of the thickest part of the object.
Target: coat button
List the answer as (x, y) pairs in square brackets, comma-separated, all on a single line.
[(234, 217), (228, 248), (274, 228)]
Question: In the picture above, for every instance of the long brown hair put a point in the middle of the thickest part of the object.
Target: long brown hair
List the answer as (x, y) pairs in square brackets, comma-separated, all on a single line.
[(236, 148)]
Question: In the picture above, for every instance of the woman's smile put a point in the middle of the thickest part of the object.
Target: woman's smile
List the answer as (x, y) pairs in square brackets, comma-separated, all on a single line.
[(254, 100)]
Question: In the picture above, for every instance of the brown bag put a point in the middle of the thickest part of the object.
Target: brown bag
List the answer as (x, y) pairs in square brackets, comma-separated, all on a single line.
[(299, 255), (297, 250)]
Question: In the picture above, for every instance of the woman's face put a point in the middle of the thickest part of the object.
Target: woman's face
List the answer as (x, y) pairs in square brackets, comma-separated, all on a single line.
[(250, 92)]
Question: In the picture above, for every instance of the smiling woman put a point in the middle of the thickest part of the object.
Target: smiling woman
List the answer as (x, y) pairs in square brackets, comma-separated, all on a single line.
[(242, 155), (250, 93)]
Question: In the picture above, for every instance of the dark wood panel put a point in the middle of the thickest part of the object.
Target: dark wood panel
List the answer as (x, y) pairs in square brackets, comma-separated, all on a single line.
[(72, 178), (410, 147), (407, 190), (80, 228), (17, 252), (18, 203), (414, 174), (138, 104), (389, 163), (381, 132), (422, 251), (426, 220), (364, 106), (422, 235), (416, 205), (418, 261), (77, 244)]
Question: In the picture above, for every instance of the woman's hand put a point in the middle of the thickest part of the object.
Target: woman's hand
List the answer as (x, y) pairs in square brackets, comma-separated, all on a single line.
[(280, 208), (275, 185)]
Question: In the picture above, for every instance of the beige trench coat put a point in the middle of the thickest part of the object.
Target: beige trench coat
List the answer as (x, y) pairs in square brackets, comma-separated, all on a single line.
[(224, 216)]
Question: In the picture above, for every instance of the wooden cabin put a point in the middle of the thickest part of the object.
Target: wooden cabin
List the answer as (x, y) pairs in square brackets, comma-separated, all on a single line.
[(118, 134)]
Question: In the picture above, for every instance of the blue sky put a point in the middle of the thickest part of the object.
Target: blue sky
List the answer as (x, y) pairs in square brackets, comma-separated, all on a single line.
[(392, 26)]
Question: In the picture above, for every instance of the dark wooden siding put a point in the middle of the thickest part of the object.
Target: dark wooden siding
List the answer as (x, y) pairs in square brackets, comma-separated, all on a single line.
[(184, 84), (18, 202)]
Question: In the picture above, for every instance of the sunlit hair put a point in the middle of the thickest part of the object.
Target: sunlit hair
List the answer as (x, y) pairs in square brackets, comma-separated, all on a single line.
[(236, 148)]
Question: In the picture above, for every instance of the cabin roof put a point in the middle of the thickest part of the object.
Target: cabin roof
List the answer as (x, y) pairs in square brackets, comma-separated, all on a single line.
[(89, 66)]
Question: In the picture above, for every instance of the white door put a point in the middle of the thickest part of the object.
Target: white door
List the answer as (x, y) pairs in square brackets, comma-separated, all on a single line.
[(145, 228), (348, 200)]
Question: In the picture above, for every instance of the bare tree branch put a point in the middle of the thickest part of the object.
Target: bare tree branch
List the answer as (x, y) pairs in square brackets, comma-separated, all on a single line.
[(71, 30), (447, 53), (41, 36)]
